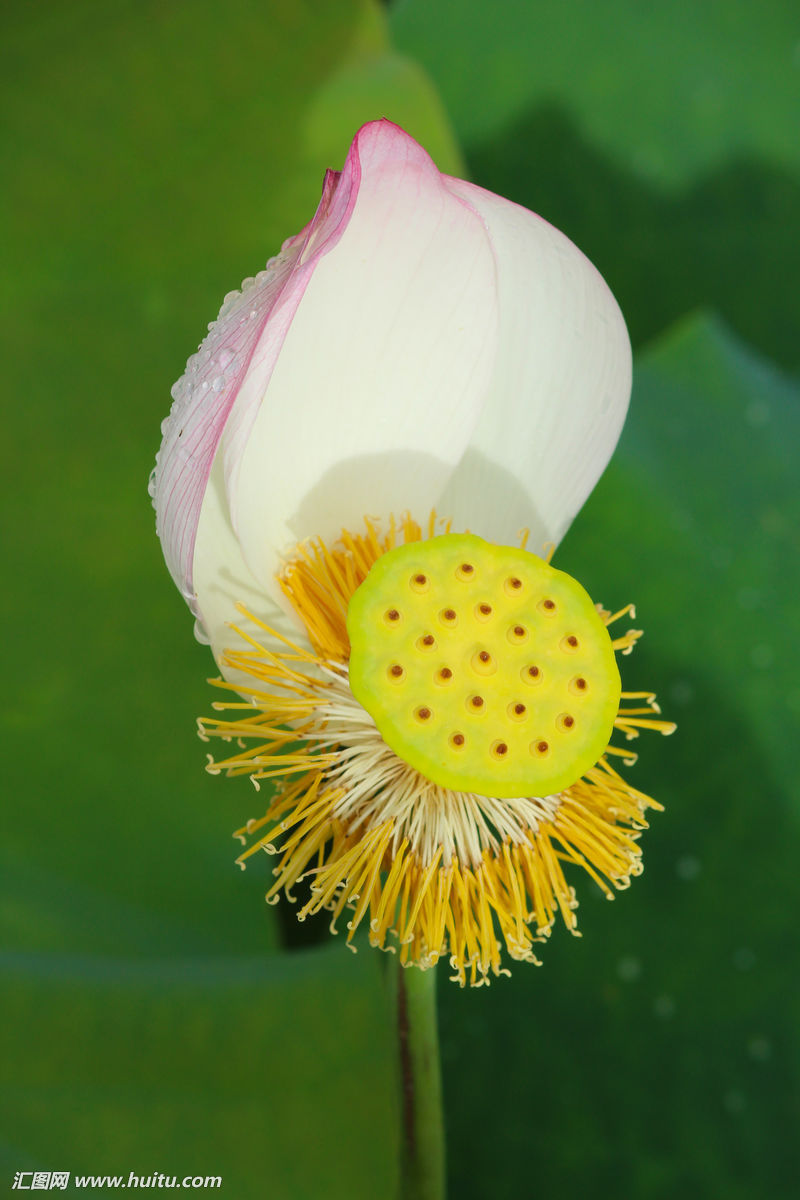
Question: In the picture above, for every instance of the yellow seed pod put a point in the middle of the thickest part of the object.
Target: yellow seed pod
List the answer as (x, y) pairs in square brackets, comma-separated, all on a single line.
[(482, 666)]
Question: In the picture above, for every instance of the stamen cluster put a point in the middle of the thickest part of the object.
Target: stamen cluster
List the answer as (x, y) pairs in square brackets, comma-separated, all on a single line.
[(433, 871)]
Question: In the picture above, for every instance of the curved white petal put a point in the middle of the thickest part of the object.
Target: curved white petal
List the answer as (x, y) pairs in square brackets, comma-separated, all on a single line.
[(382, 374), (560, 389)]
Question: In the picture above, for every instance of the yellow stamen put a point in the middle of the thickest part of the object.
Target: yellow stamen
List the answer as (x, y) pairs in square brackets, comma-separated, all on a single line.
[(428, 869)]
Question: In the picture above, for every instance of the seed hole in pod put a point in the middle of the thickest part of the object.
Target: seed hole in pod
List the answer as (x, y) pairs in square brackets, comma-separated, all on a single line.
[(578, 685), (419, 582), (517, 711), (513, 585), (444, 675), (532, 675), (457, 740), (465, 571), (483, 611), (540, 748), (391, 615), (547, 606), (517, 634), (396, 672), (565, 722), (448, 616), (426, 642), (482, 663), (423, 713), (569, 643), (499, 749), (475, 703)]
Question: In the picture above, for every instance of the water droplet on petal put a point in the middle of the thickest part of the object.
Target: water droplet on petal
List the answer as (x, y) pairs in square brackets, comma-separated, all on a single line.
[(225, 358), (217, 384)]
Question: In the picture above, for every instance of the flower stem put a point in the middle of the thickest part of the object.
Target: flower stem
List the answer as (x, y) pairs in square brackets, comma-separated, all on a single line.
[(423, 1153)]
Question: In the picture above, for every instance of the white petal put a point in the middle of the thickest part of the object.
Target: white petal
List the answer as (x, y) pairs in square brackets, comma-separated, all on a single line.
[(382, 375), (222, 580), (560, 390)]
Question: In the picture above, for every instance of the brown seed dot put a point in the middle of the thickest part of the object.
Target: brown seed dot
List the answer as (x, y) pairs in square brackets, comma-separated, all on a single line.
[(393, 615), (572, 640), (420, 579), (549, 605), (580, 684), (484, 656), (485, 609), (396, 670), (449, 614), (457, 739), (519, 631), (477, 701), (445, 673), (533, 672), (568, 721), (428, 639), (501, 748), (519, 709), (515, 583), (542, 747), (467, 568), (423, 713)]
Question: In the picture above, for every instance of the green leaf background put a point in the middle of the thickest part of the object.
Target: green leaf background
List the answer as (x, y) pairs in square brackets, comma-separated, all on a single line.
[(158, 1016)]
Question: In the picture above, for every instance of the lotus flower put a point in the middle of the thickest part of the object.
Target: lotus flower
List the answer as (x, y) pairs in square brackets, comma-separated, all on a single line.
[(421, 346)]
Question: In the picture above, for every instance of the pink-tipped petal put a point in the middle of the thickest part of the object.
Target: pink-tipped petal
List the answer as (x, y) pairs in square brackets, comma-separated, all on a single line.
[(382, 374)]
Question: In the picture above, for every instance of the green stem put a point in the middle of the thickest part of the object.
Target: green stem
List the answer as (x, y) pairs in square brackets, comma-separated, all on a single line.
[(422, 1161)]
